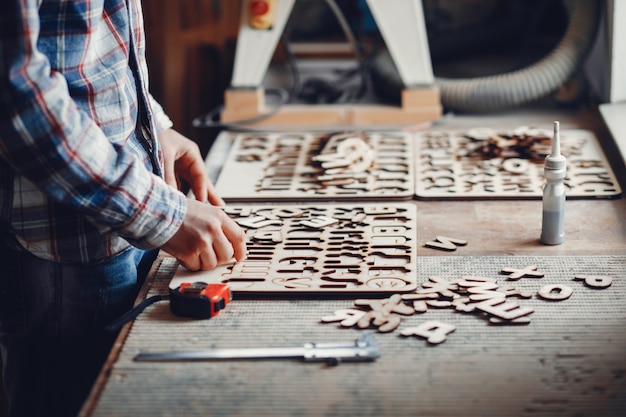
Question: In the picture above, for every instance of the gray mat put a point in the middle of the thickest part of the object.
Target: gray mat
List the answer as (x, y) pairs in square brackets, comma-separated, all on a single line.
[(569, 361)]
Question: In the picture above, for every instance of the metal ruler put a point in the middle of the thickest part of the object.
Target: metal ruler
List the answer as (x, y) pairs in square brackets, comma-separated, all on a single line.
[(364, 349)]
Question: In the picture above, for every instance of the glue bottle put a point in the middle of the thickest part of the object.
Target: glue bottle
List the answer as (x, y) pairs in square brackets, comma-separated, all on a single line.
[(552, 231)]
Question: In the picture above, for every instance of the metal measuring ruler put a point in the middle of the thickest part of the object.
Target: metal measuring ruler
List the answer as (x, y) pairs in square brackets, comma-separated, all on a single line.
[(364, 349)]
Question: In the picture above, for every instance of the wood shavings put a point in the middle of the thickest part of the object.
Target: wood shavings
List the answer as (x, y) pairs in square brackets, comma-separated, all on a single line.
[(523, 142)]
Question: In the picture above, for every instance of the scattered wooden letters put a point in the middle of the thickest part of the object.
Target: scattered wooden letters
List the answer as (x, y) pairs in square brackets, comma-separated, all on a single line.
[(481, 296)]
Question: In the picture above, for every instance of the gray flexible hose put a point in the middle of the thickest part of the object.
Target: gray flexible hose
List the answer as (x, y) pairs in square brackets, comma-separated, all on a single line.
[(507, 90), (512, 89)]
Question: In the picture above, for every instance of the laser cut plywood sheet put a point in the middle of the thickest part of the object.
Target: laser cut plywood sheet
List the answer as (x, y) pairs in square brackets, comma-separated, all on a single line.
[(485, 163), (283, 166), (355, 248)]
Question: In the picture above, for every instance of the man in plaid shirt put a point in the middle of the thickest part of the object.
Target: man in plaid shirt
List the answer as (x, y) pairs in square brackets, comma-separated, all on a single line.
[(88, 170)]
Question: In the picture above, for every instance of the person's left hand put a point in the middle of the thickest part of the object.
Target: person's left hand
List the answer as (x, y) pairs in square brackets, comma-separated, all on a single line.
[(182, 159)]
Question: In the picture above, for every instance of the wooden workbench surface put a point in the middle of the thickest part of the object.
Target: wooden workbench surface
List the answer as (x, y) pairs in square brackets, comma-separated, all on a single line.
[(569, 361)]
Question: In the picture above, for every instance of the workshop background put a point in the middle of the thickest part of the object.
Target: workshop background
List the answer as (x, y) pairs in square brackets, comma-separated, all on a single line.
[(191, 44)]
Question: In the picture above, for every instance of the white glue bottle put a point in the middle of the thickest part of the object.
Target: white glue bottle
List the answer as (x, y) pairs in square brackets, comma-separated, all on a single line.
[(552, 230)]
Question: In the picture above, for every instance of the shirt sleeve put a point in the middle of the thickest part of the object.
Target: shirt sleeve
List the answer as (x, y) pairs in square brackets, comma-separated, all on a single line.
[(162, 120), (56, 145)]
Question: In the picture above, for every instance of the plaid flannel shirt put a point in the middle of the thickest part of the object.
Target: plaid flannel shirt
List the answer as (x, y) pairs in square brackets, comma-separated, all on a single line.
[(80, 169)]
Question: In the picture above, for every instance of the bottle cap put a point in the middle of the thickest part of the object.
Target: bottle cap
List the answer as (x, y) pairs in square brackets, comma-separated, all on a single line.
[(555, 160)]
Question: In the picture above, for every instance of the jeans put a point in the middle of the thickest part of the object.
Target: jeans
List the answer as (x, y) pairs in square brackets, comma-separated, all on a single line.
[(52, 318)]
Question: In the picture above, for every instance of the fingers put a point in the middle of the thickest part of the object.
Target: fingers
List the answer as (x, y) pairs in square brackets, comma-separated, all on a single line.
[(207, 260), (237, 238), (208, 237), (195, 174), (213, 198), (228, 243), (182, 159), (170, 175), (223, 250), (224, 247)]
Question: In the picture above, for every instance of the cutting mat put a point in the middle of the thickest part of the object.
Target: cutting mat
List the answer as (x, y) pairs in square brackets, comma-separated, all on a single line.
[(460, 164), (569, 361), (333, 248), (281, 166)]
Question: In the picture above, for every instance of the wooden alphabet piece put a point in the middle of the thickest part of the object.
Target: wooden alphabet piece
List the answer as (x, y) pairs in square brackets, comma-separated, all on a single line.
[(489, 163), (383, 314), (281, 166), (595, 281), (462, 294), (346, 317), (352, 155), (528, 271), (445, 243), (433, 331), (467, 294), (503, 310), (441, 286), (321, 248), (556, 292)]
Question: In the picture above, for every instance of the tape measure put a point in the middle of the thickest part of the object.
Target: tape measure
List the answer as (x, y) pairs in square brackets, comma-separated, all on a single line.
[(199, 300)]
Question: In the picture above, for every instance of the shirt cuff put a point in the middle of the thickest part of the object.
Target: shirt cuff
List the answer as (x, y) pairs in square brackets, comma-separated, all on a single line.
[(159, 217)]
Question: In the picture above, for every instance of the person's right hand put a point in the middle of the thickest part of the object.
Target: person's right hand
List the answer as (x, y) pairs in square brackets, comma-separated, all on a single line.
[(207, 238)]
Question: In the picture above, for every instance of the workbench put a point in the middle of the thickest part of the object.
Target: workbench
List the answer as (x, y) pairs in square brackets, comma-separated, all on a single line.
[(570, 360)]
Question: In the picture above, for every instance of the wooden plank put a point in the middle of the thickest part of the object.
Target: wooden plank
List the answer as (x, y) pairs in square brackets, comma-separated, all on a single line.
[(419, 105)]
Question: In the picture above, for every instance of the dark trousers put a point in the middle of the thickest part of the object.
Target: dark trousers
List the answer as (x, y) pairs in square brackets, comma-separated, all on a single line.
[(52, 318)]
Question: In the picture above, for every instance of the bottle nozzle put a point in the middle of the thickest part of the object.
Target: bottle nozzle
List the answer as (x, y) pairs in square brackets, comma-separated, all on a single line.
[(556, 141), (555, 160)]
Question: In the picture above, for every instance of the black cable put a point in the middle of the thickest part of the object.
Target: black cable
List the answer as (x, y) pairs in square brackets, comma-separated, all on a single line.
[(131, 314), (209, 119)]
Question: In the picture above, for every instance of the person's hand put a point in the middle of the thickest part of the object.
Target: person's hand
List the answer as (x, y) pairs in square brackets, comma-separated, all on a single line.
[(182, 159), (206, 239)]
